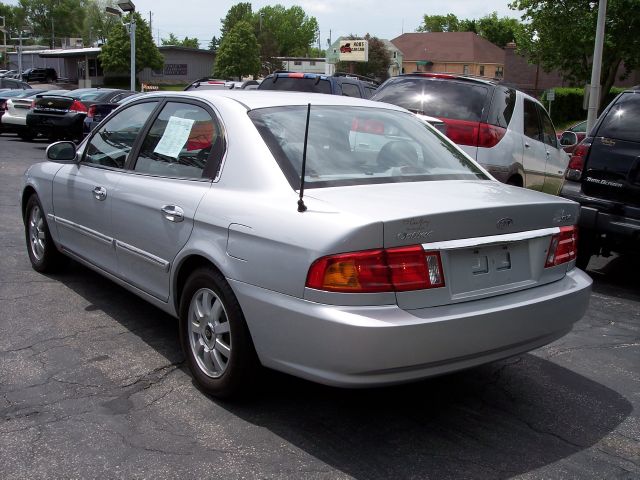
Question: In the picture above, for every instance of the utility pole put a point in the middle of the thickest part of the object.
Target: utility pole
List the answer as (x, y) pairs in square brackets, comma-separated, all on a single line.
[(594, 95), (150, 24), (20, 38), (4, 32)]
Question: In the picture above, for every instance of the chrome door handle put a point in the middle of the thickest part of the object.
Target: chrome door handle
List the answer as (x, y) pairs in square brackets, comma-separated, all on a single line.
[(548, 153), (173, 213), (526, 145), (100, 193)]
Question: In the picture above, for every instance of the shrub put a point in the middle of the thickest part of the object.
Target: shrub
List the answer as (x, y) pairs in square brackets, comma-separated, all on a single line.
[(567, 105)]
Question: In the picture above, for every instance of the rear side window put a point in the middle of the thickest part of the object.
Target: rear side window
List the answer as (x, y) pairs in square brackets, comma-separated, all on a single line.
[(350, 90), (531, 122), (502, 106), (623, 120), (436, 98), (312, 85), (548, 131)]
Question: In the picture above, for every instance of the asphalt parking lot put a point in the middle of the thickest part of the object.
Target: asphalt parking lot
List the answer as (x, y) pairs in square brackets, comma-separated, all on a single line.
[(93, 385)]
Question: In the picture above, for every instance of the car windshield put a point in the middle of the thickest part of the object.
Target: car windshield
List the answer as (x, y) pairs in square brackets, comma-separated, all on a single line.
[(314, 84), (438, 98), (359, 145)]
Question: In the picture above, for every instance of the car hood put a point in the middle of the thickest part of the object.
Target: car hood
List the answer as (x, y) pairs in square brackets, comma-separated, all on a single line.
[(423, 212)]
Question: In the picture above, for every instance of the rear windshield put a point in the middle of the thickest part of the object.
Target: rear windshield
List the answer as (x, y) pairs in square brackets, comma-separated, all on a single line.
[(437, 98), (313, 85), (358, 145), (623, 120), (88, 96)]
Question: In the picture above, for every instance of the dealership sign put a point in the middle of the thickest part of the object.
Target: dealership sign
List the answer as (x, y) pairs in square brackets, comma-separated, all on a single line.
[(354, 51)]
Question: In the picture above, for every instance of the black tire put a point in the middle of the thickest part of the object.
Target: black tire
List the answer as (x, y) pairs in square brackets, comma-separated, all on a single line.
[(236, 377), (26, 136), (587, 247), (43, 253)]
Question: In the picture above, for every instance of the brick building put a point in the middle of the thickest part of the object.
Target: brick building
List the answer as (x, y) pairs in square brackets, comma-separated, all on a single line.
[(453, 52)]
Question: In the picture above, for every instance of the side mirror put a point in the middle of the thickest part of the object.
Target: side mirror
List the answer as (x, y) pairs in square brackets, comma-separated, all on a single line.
[(62, 152), (568, 139)]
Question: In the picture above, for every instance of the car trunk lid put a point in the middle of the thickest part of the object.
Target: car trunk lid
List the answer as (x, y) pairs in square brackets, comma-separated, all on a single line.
[(492, 238), (54, 104)]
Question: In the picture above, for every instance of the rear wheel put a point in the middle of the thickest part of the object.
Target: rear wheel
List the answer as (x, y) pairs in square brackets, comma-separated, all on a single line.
[(587, 247), (43, 253), (214, 335)]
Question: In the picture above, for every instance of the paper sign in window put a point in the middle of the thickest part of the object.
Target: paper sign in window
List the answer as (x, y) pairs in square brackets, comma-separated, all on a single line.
[(174, 137)]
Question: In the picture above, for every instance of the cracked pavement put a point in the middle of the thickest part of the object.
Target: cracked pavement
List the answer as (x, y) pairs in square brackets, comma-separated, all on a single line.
[(93, 385)]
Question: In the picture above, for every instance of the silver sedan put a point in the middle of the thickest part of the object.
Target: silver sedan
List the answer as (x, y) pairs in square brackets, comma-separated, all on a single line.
[(336, 239)]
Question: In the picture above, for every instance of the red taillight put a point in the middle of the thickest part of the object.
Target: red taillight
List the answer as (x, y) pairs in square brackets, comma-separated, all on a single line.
[(563, 247), (78, 107), (92, 111), (33, 105), (394, 269), (490, 135), (3, 106), (576, 162), (464, 132)]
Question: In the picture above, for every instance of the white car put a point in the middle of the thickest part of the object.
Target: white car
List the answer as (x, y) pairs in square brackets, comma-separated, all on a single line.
[(507, 131), (14, 118)]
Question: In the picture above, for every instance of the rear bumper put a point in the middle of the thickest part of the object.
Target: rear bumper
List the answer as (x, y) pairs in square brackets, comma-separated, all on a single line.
[(599, 221), (70, 123), (378, 345), (10, 122)]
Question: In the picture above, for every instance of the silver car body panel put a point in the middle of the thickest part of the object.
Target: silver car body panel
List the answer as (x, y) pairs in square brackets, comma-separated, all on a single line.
[(245, 222)]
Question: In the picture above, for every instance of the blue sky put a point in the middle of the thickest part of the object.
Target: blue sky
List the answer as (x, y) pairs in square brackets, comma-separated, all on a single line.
[(384, 19)]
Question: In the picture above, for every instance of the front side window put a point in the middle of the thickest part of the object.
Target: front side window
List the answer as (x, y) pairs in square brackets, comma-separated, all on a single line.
[(113, 141), (180, 142), (358, 145)]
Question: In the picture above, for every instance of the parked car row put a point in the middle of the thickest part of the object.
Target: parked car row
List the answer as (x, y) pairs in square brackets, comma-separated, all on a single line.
[(56, 114)]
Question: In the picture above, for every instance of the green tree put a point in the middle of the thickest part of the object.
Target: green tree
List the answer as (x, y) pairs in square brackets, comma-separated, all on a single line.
[(172, 40), (116, 56), (190, 42), (239, 53), (439, 23), (62, 18), (98, 23), (561, 35), (238, 13), (214, 44), (498, 31), (292, 32), (379, 60), (175, 41)]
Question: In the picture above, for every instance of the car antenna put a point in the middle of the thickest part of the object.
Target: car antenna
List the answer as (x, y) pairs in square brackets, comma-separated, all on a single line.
[(301, 206)]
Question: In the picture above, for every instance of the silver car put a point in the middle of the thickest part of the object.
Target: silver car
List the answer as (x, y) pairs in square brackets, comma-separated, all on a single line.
[(505, 130), (340, 240)]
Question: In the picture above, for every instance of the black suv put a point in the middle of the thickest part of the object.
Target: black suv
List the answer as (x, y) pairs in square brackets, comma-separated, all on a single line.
[(42, 75), (337, 84), (604, 177)]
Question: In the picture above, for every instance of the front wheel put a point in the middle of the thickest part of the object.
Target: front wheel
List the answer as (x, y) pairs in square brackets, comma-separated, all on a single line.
[(214, 335), (43, 254)]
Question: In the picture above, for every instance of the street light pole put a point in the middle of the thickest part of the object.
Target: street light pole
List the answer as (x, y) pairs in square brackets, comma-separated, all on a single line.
[(128, 7)]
